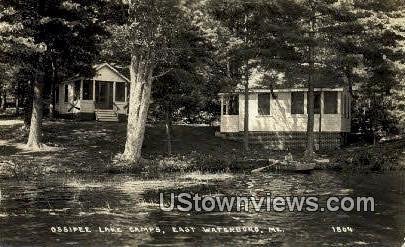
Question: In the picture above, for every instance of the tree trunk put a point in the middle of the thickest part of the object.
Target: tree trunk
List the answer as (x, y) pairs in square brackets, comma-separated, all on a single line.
[(3, 100), (310, 125), (309, 152), (28, 99), (246, 118), (320, 124), (17, 100), (246, 92), (141, 84), (53, 101), (349, 81), (34, 138), (17, 106), (168, 126), (52, 108)]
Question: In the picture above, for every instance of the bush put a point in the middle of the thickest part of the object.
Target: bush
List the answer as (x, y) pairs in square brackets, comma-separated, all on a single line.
[(372, 159)]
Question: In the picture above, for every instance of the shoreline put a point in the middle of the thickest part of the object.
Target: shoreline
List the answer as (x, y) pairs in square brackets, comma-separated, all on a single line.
[(91, 147)]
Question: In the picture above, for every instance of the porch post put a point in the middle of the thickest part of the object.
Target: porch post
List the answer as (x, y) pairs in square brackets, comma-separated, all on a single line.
[(222, 105), (71, 91), (94, 90), (322, 109), (126, 91), (339, 102), (226, 101), (114, 86), (81, 89)]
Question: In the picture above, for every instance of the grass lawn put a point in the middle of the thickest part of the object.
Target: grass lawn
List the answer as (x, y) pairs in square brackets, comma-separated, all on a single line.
[(78, 147), (90, 147)]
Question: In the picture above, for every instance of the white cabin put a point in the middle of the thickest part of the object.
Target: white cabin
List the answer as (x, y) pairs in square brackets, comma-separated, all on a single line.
[(103, 97), (284, 117)]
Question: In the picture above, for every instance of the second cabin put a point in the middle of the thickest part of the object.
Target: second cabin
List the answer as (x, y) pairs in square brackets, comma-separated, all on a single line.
[(279, 118)]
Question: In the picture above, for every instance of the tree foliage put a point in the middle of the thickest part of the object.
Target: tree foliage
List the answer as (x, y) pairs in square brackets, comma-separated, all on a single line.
[(44, 38)]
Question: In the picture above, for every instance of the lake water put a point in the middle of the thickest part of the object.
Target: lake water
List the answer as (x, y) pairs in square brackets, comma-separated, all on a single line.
[(29, 210)]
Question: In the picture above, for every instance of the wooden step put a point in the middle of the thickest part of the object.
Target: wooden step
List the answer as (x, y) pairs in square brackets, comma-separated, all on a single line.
[(106, 116), (107, 119)]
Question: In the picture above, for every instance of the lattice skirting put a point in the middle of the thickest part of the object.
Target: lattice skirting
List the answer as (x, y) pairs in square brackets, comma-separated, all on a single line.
[(290, 140)]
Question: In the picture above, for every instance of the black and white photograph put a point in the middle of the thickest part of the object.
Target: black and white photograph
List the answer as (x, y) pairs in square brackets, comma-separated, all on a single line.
[(202, 123)]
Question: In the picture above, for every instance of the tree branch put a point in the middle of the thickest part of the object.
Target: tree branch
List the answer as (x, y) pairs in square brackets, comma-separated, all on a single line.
[(162, 74)]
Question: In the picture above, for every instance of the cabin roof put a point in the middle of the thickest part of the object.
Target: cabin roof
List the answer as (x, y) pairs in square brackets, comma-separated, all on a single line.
[(265, 81), (97, 67), (281, 90)]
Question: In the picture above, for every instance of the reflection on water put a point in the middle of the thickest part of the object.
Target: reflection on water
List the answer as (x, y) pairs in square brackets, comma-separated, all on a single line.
[(28, 210)]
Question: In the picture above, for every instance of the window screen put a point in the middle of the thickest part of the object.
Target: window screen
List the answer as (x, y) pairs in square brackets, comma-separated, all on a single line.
[(57, 94), (264, 104), (233, 105), (66, 93), (87, 90), (119, 91), (331, 102), (76, 90), (317, 102), (297, 103)]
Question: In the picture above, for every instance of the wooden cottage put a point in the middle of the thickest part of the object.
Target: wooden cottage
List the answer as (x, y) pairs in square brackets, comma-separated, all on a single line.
[(279, 120), (103, 97)]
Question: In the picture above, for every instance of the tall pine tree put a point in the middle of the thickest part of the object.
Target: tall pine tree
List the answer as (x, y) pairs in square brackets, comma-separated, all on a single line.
[(46, 35)]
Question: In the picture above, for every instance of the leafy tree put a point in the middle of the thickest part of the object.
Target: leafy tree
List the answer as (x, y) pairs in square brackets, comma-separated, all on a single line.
[(326, 27), (255, 35), (377, 108), (7, 74), (181, 94), (398, 103), (150, 39), (44, 35)]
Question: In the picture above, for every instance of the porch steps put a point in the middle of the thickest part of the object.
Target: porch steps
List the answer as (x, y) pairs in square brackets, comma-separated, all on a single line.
[(106, 116)]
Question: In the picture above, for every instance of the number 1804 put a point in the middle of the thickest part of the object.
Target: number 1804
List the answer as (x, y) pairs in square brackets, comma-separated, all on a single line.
[(342, 229)]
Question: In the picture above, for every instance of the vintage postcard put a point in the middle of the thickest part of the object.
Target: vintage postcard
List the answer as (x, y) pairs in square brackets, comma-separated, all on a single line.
[(202, 123)]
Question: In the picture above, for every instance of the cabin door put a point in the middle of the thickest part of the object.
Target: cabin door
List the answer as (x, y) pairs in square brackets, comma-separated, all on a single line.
[(104, 95)]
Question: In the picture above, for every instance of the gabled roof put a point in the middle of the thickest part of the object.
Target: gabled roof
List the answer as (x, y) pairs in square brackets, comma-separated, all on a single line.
[(97, 67), (100, 66), (124, 70)]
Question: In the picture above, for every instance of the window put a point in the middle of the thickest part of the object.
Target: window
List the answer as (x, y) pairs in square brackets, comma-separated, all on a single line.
[(57, 94), (331, 103), (66, 99), (119, 91), (264, 104), (224, 106), (231, 105), (76, 92), (297, 103), (344, 101), (87, 90), (317, 102)]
